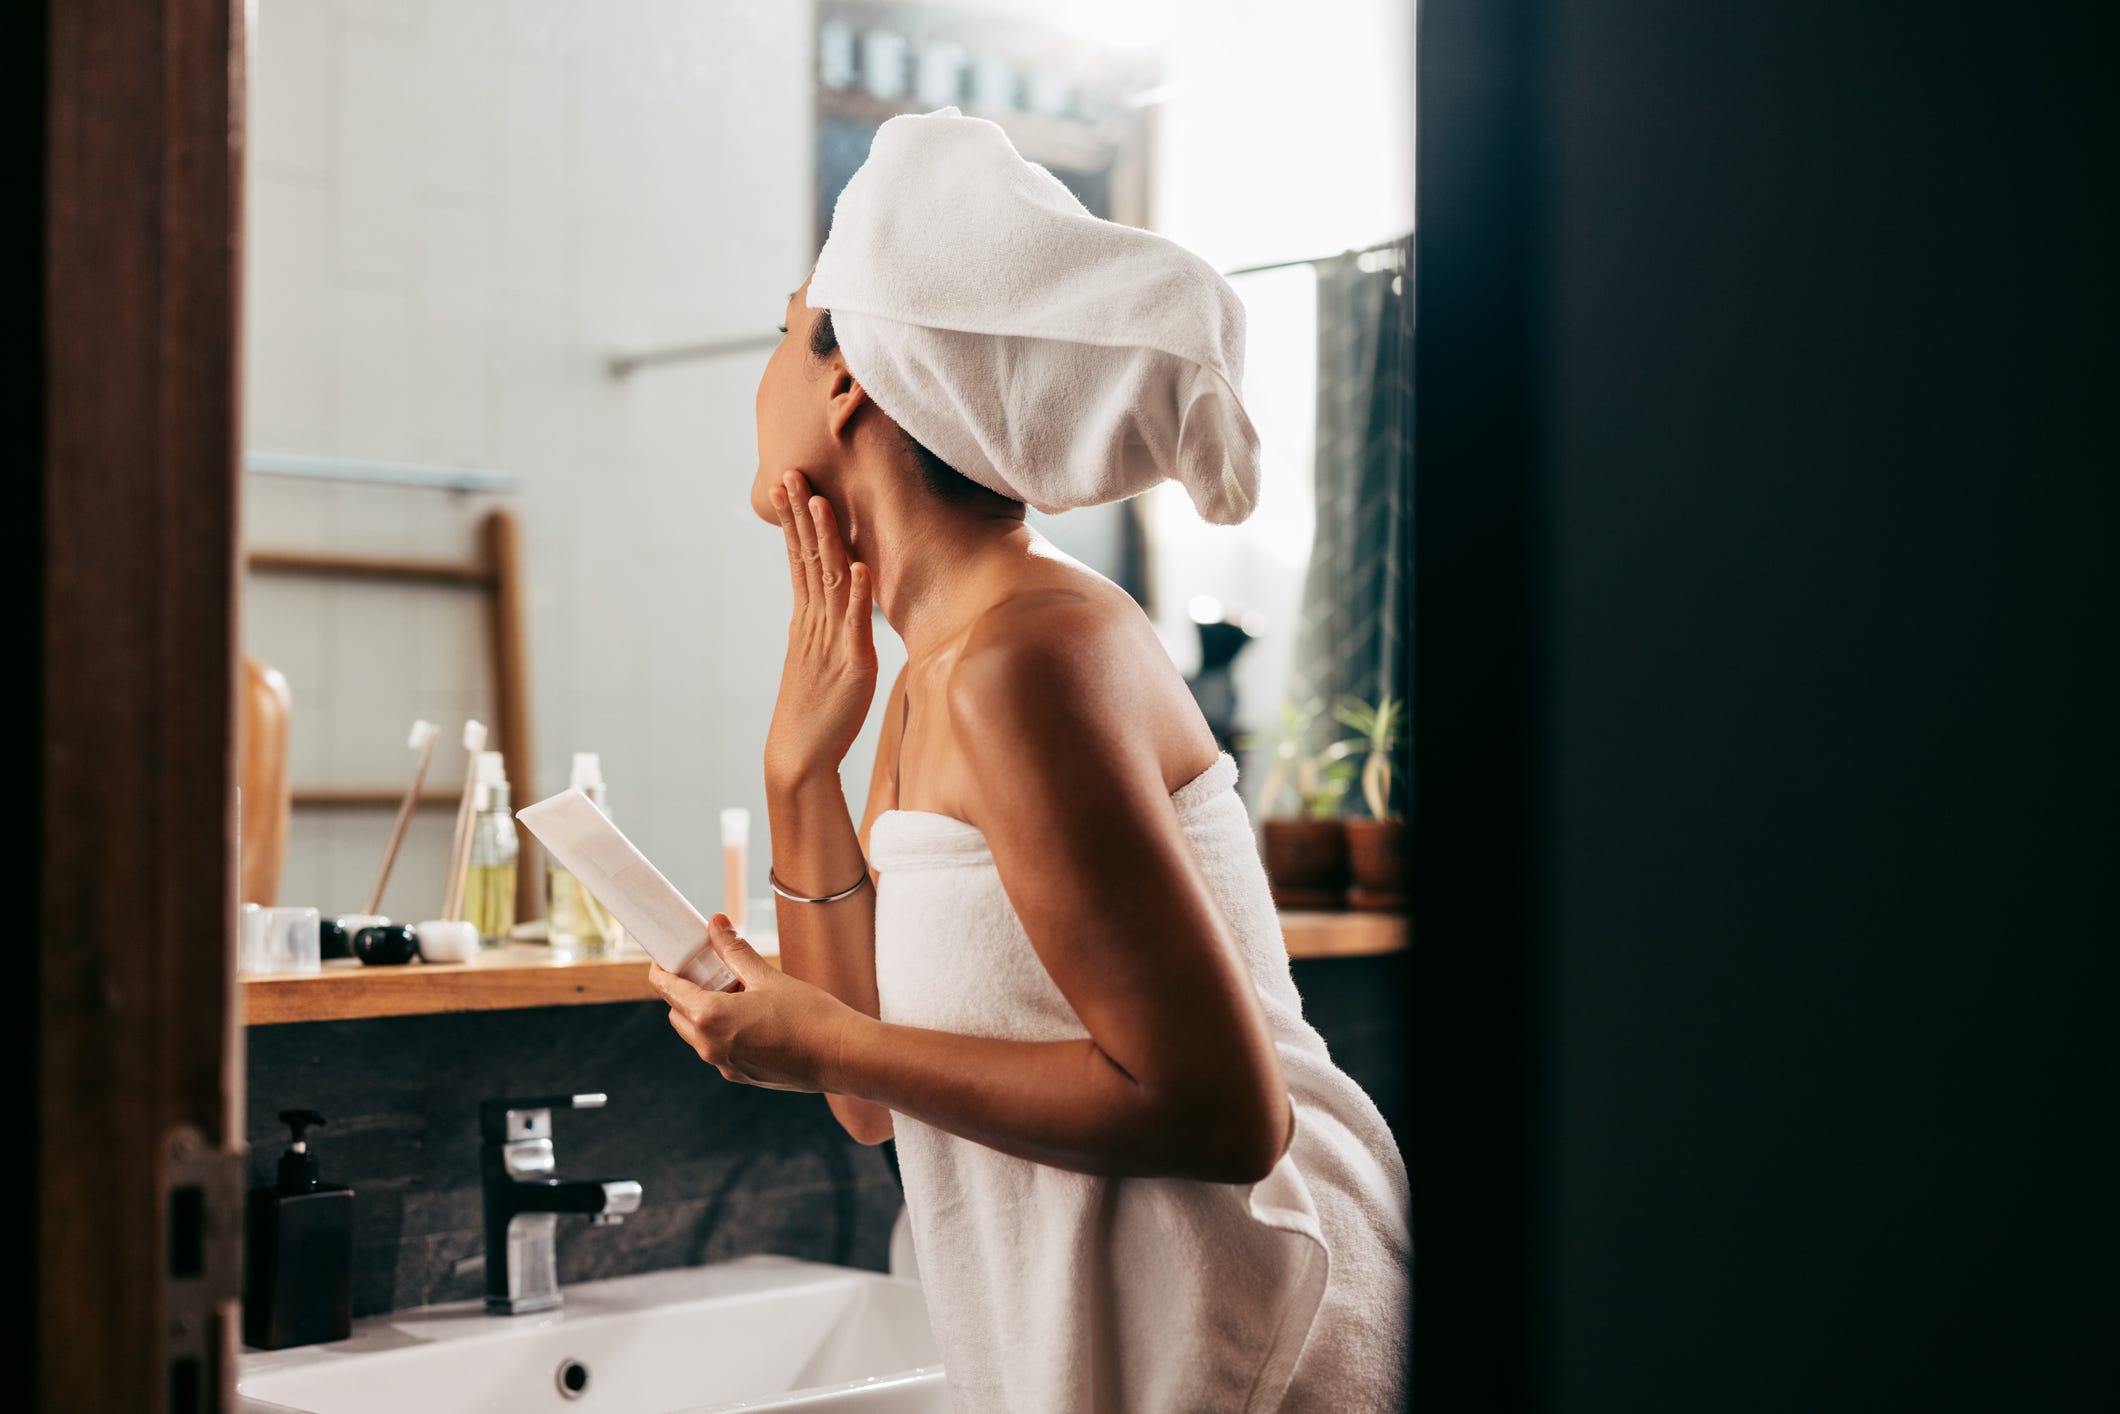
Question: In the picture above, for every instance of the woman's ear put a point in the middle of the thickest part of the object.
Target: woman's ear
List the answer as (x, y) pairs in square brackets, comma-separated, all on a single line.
[(847, 398)]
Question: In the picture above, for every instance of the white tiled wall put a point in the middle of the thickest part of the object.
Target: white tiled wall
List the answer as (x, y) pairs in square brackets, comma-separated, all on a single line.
[(457, 209)]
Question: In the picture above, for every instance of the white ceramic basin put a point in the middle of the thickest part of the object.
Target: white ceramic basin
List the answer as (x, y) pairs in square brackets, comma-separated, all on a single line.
[(757, 1332)]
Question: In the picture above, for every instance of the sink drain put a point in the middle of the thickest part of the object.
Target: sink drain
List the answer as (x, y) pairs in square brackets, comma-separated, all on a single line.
[(572, 1379)]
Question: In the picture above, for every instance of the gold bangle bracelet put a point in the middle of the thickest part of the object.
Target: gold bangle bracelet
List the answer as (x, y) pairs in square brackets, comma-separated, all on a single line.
[(775, 882)]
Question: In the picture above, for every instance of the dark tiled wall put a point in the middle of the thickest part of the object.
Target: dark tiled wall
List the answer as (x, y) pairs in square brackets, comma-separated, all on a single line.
[(725, 1169), (1358, 1005)]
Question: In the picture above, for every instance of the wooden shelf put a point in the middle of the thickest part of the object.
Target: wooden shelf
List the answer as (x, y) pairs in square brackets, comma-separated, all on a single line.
[(528, 975), (519, 975), (1320, 934)]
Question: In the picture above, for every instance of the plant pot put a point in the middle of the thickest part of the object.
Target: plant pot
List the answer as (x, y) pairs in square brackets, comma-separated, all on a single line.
[(1306, 861), (1376, 854)]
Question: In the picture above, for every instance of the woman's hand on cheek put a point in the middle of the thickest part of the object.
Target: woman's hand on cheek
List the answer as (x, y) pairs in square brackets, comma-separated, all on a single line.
[(776, 1031), (829, 677)]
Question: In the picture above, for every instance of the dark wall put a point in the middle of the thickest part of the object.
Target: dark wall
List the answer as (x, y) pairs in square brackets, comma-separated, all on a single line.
[(1766, 768), (1354, 1003), (725, 1169)]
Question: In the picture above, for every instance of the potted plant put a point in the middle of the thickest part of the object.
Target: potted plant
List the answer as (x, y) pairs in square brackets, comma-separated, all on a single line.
[(1305, 853), (1376, 845)]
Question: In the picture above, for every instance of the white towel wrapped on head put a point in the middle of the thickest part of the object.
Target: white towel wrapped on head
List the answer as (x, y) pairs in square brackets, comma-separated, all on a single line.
[(1044, 352)]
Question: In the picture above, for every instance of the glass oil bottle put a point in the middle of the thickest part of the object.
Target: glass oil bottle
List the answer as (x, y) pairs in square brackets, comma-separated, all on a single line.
[(577, 925), (489, 878)]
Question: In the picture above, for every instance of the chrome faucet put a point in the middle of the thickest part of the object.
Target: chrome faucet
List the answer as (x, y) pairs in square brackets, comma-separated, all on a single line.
[(523, 1200)]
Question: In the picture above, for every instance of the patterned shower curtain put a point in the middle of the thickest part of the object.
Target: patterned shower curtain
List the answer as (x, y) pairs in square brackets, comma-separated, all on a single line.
[(1350, 639)]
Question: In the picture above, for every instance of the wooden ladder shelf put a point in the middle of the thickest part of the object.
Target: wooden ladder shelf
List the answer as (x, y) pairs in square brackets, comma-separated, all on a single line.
[(497, 574)]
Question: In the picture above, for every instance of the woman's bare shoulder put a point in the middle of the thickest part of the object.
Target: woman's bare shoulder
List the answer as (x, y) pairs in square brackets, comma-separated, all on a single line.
[(1086, 661), (1059, 618)]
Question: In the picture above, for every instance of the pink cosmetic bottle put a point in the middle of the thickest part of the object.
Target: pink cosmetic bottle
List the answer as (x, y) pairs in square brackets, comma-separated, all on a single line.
[(735, 863)]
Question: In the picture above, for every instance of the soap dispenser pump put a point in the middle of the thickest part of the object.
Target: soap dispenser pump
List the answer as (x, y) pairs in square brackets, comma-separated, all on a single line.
[(298, 1281)]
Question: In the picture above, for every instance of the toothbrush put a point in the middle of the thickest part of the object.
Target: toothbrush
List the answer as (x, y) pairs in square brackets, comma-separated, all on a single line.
[(460, 847), (424, 735)]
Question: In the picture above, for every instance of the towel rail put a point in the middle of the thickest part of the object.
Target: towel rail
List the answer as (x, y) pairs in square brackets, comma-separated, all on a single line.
[(438, 478), (619, 365), (1314, 259)]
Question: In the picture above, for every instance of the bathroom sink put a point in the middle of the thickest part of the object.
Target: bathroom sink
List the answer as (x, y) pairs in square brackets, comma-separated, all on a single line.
[(760, 1332)]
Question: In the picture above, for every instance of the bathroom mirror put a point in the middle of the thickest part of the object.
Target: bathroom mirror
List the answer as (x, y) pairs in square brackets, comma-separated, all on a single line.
[(527, 258)]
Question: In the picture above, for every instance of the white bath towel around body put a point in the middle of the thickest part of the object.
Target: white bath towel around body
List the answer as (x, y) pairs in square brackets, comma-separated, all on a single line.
[(1052, 1290)]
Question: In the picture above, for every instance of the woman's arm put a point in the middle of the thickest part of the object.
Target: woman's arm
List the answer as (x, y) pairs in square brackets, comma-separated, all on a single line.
[(1179, 1076), (1063, 1103), (832, 945), (825, 688)]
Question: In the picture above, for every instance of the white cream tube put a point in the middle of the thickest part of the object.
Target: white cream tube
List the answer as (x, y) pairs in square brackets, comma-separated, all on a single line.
[(661, 920)]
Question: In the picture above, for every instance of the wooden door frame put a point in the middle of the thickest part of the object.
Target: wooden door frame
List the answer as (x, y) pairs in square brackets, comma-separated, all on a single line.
[(132, 1012)]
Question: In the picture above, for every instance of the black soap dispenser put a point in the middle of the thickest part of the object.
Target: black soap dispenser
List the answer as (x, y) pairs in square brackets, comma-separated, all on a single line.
[(298, 1280)]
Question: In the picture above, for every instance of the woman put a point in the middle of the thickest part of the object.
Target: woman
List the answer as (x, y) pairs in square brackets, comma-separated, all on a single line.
[(1046, 963)]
